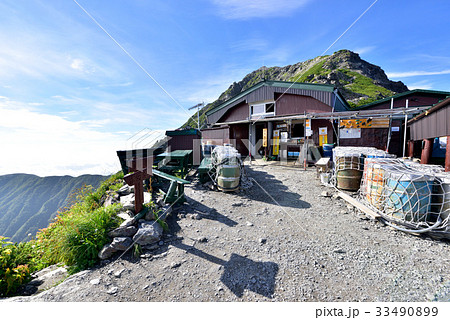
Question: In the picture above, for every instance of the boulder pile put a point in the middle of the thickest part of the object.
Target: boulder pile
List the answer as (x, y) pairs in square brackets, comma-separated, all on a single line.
[(137, 228)]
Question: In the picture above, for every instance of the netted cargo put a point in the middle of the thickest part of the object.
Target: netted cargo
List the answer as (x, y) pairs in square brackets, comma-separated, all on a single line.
[(227, 164), (349, 165), (414, 197)]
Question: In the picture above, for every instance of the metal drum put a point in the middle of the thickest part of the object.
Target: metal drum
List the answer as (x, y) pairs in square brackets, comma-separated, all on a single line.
[(373, 179), (228, 177), (374, 183), (408, 195), (349, 171), (328, 150), (441, 196)]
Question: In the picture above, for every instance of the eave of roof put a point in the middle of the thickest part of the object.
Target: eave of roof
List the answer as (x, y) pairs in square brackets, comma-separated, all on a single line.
[(273, 83), (433, 108), (403, 94)]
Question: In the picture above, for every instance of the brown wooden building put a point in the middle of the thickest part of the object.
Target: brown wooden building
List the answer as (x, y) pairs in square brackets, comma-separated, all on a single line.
[(392, 129), (275, 106)]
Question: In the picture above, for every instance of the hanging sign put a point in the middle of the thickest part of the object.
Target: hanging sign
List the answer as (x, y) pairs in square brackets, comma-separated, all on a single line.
[(264, 137), (276, 142), (323, 136), (308, 128), (349, 133)]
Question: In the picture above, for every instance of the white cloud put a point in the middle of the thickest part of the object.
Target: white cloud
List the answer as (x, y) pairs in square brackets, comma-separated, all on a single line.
[(248, 9), (364, 50), (45, 144), (424, 84), (416, 73)]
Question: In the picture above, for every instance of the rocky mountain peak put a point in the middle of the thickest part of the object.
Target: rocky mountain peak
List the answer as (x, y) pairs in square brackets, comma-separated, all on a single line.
[(359, 81)]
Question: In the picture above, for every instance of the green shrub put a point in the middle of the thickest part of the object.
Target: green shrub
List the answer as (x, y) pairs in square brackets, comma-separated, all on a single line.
[(13, 268), (81, 230), (74, 238)]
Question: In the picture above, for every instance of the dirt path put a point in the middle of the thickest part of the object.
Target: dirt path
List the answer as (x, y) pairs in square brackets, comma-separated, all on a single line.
[(277, 241)]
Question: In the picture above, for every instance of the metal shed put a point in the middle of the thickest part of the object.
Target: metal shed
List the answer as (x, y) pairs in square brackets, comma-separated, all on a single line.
[(433, 123)]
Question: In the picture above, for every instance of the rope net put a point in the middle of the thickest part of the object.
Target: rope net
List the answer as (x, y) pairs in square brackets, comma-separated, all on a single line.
[(413, 196)]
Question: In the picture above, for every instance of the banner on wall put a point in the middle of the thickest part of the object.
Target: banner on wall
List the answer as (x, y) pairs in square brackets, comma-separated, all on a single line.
[(364, 123), (350, 133), (308, 128)]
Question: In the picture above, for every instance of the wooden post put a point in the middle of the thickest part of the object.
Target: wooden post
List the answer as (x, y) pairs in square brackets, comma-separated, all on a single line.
[(447, 156), (142, 170), (411, 149), (427, 151)]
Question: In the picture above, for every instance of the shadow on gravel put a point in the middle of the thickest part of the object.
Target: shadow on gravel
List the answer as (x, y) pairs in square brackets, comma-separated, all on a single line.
[(241, 273), (206, 212), (272, 191)]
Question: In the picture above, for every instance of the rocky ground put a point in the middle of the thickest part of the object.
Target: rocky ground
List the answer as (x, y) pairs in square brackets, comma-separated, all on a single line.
[(279, 240)]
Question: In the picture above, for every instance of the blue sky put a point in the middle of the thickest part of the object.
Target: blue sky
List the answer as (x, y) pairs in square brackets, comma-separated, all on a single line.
[(74, 90)]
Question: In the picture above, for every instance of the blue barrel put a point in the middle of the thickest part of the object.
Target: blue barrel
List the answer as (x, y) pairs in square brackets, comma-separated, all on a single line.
[(328, 150), (408, 196)]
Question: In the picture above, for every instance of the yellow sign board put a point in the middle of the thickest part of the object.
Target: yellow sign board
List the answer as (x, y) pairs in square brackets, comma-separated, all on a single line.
[(323, 136), (265, 137), (276, 142), (364, 123)]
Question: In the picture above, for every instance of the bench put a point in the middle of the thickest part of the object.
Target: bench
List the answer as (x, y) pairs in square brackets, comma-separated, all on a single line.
[(175, 193), (204, 169)]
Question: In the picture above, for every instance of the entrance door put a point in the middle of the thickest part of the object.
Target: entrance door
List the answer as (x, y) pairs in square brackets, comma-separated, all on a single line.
[(237, 133)]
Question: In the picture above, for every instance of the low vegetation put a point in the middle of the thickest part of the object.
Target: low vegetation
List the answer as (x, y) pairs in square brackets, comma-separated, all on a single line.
[(74, 238)]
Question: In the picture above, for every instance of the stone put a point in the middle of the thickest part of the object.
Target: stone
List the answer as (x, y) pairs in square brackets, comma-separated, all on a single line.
[(148, 233), (124, 191), (262, 240), (202, 239), (248, 223), (112, 290), (106, 252), (174, 265), (128, 202), (325, 194), (95, 281), (110, 200), (124, 215), (121, 243), (127, 223), (117, 274), (126, 231), (194, 216), (147, 197)]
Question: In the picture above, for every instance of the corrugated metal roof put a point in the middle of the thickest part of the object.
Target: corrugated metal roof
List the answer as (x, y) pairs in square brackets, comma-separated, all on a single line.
[(270, 83), (403, 94)]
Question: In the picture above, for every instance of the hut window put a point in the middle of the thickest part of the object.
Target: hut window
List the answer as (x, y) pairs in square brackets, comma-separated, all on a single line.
[(298, 130)]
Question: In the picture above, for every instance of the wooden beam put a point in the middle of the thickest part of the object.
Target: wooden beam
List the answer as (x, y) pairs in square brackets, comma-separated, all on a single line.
[(359, 205)]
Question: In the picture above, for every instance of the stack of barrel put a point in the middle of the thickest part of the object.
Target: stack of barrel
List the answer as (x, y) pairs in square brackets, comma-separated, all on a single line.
[(406, 192), (349, 165)]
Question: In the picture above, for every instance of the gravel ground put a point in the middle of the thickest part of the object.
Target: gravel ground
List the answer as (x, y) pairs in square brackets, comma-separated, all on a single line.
[(285, 242)]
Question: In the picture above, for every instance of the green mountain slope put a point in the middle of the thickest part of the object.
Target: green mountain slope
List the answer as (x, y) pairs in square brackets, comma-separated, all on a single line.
[(29, 202), (359, 81)]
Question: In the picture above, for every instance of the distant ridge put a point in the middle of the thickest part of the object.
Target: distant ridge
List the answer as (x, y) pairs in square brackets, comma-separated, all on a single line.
[(29, 202), (359, 81)]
